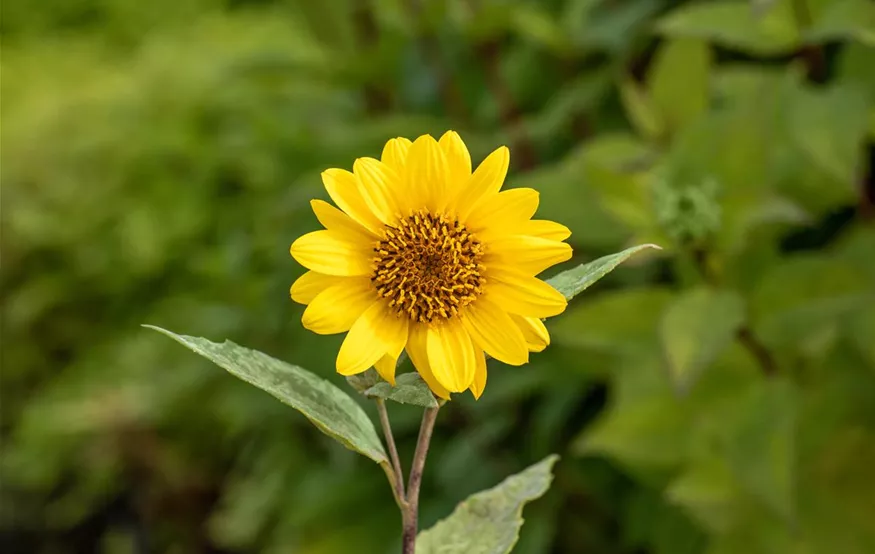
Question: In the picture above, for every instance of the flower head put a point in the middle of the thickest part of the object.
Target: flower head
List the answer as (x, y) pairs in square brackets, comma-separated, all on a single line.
[(428, 256)]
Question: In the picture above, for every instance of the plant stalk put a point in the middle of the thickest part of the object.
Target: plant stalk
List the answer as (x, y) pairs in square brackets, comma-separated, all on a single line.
[(398, 482), (410, 511)]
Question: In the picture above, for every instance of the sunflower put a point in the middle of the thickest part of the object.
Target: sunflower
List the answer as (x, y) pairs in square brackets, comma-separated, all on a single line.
[(426, 256)]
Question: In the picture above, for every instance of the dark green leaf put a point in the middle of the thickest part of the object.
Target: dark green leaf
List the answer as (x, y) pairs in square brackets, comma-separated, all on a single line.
[(330, 409), (409, 389), (488, 522), (574, 281)]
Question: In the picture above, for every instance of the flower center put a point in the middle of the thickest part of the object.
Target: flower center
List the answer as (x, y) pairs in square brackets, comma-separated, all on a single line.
[(428, 266)]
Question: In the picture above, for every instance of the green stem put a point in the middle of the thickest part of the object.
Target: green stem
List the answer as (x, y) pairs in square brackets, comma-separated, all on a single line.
[(410, 514), (398, 474)]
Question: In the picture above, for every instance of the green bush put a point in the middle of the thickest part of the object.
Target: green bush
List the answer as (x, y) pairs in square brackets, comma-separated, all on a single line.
[(157, 160)]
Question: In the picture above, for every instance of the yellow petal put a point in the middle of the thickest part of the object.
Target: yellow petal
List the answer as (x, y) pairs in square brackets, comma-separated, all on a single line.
[(395, 154), (418, 353), (502, 213), (492, 329), (426, 174), (336, 308), (385, 366), (545, 229), (335, 220), (533, 329), (378, 185), (486, 181), (332, 253), (308, 285), (343, 188), (523, 294), (451, 355), (479, 375), (376, 332), (530, 255), (458, 162)]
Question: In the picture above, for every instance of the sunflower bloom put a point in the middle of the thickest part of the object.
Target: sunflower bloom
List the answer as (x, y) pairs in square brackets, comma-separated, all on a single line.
[(426, 256)]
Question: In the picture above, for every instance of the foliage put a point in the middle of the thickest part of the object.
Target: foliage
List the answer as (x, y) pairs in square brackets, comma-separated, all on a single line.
[(715, 397)]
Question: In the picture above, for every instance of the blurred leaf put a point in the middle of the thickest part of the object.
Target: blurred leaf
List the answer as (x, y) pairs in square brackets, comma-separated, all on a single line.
[(829, 126), (709, 491), (539, 26), (644, 427), (804, 296), (861, 329), (409, 389), (679, 81), (574, 281), (641, 109), (615, 168), (327, 407), (488, 522), (835, 20), (760, 445), (734, 25), (615, 321), (695, 329)]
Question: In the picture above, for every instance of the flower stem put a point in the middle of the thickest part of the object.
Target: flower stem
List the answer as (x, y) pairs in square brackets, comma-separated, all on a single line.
[(398, 483), (410, 514)]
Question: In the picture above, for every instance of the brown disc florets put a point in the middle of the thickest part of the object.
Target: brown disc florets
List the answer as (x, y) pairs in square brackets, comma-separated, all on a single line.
[(428, 266)]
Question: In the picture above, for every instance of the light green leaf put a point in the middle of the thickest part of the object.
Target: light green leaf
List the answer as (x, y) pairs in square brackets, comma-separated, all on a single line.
[(574, 281), (614, 167), (760, 445), (679, 81), (489, 522), (696, 328), (409, 389), (735, 25), (640, 109), (842, 20), (330, 409), (829, 127), (708, 490)]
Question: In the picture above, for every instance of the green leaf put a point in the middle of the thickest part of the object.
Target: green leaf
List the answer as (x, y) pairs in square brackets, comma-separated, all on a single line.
[(614, 167), (574, 281), (760, 445), (842, 20), (734, 25), (708, 490), (409, 389), (696, 328), (803, 298), (640, 109), (679, 81), (489, 522), (364, 380), (617, 321), (829, 127), (330, 409)]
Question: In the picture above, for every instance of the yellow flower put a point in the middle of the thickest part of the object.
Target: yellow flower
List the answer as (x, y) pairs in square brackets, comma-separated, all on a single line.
[(425, 255)]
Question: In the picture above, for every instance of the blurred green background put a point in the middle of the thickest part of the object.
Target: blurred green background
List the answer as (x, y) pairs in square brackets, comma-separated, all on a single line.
[(157, 161)]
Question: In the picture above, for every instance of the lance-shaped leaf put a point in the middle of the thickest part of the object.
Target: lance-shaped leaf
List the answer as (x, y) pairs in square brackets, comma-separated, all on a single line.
[(574, 281), (330, 409), (489, 522), (696, 328), (409, 389)]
